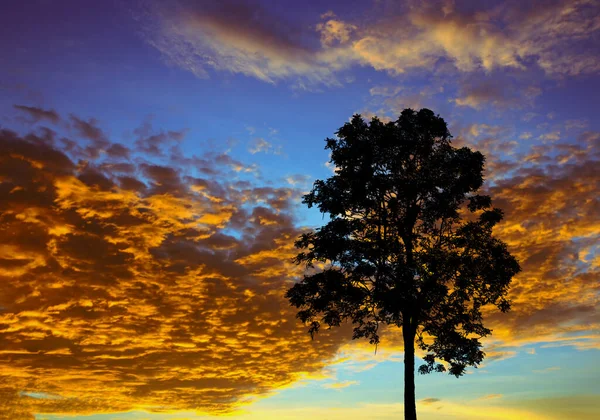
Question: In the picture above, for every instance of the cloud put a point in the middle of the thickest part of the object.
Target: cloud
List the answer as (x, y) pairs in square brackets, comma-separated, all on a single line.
[(232, 36), (553, 37), (130, 282), (551, 224), (334, 32), (301, 180), (154, 143), (340, 385), (526, 135), (553, 136), (391, 100), (549, 369), (39, 114), (154, 282), (428, 401), (385, 91), (477, 130), (498, 91), (259, 145), (490, 397), (472, 37), (88, 129)]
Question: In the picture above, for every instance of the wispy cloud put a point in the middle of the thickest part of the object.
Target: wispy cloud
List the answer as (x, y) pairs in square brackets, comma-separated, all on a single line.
[(428, 401), (38, 114), (490, 397), (340, 385), (232, 36), (556, 39)]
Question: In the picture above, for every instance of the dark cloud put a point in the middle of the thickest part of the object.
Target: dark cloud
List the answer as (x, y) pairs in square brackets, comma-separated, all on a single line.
[(39, 114), (155, 143), (497, 91), (117, 150), (427, 401), (89, 129)]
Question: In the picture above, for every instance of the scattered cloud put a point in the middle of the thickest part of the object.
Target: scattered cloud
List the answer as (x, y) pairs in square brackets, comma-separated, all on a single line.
[(498, 93), (38, 114), (553, 136), (578, 124), (258, 145), (156, 281), (477, 130), (299, 180), (526, 135), (556, 39), (550, 222), (549, 369), (130, 283), (385, 90), (157, 143), (334, 32), (490, 397)]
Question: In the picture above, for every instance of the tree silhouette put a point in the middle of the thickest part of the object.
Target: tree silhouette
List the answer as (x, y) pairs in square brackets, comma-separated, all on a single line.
[(409, 243)]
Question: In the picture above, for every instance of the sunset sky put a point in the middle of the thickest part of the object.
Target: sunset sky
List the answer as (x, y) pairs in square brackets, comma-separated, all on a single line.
[(152, 159)]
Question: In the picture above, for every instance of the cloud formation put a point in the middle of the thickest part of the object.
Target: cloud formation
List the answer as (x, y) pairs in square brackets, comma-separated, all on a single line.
[(557, 38), (233, 36), (552, 224), (127, 283), (39, 114), (139, 277)]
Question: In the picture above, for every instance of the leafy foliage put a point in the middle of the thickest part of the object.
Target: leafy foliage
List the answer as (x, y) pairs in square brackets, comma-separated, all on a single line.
[(409, 241)]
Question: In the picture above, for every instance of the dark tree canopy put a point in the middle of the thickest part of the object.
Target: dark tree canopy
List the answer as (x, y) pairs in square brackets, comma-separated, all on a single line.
[(409, 241)]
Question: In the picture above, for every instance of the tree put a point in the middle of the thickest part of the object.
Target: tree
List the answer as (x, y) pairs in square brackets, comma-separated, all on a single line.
[(408, 243)]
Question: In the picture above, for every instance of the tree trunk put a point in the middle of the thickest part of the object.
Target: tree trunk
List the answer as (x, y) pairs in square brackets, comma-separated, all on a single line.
[(410, 408)]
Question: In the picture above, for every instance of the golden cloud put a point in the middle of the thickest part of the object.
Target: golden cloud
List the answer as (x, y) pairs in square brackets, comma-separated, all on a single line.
[(553, 36), (553, 226), (157, 284), (158, 290)]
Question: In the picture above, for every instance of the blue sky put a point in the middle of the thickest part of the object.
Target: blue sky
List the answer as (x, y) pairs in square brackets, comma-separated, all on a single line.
[(220, 111)]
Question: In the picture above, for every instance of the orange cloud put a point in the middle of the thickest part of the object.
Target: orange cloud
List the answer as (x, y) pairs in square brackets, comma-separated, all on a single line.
[(552, 225), (129, 284), (156, 290)]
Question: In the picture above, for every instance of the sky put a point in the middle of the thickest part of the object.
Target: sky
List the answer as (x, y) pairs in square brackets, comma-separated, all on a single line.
[(153, 156)]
